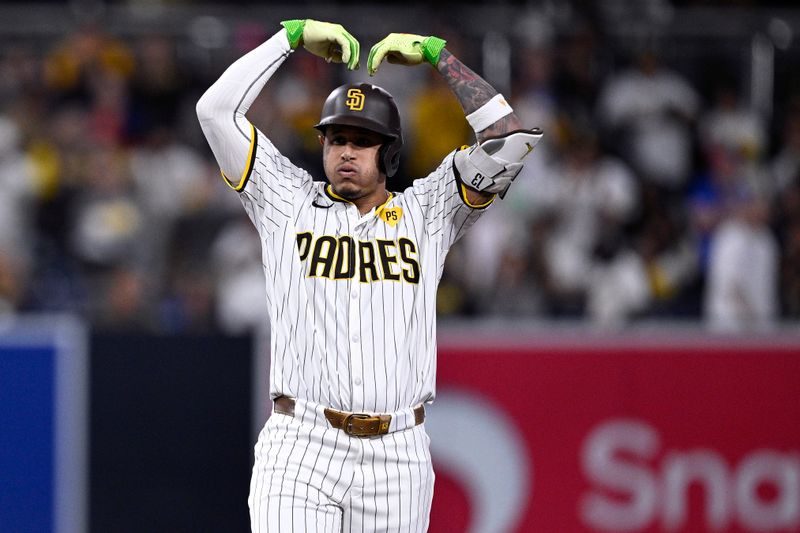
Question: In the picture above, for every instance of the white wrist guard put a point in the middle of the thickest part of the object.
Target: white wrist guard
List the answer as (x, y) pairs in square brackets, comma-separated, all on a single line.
[(489, 113), (492, 165)]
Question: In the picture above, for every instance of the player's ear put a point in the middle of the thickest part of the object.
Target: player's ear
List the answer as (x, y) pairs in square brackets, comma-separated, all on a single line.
[(321, 139)]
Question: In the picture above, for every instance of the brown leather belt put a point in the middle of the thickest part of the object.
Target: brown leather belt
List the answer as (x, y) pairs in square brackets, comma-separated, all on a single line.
[(354, 424)]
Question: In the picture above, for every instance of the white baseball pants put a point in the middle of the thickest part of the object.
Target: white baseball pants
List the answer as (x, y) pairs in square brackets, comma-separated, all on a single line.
[(312, 478)]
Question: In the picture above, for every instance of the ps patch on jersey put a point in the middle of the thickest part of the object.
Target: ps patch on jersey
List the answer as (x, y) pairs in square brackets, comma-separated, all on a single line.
[(391, 216)]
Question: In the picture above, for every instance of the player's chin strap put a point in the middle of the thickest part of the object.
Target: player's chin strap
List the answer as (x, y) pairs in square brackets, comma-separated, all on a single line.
[(492, 165)]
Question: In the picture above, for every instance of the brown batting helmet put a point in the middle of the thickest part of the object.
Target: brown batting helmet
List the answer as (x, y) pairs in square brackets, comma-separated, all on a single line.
[(370, 107)]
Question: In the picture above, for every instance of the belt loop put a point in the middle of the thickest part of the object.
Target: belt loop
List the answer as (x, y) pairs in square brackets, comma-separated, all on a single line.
[(419, 414), (284, 405)]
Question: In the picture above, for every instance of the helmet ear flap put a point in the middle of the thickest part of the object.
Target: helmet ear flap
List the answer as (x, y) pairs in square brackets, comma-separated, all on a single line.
[(389, 157), (382, 158)]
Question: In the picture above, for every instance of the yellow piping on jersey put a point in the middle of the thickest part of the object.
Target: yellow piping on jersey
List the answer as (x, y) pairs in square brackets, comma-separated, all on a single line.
[(329, 192), (248, 168), (384, 204), (466, 200)]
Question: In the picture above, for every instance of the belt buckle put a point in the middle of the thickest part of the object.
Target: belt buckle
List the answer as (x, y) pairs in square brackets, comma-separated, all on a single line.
[(347, 425)]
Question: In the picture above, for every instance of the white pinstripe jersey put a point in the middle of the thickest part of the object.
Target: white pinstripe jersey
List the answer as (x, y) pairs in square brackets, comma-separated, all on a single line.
[(351, 298)]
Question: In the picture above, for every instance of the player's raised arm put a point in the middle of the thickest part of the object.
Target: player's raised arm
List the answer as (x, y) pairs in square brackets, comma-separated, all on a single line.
[(489, 167), (222, 108)]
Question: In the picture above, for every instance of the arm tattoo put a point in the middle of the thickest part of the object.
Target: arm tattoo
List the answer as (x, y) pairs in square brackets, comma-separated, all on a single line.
[(472, 92)]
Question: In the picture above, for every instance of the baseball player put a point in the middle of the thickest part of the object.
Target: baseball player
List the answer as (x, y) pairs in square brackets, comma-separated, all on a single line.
[(351, 272)]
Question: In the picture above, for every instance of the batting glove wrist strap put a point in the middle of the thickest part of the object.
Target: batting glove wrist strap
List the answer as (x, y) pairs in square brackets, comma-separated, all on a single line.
[(492, 165), (329, 41), (294, 31), (405, 49), (431, 48)]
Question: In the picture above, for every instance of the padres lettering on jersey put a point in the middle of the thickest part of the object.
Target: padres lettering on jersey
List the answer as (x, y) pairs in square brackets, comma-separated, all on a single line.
[(343, 257)]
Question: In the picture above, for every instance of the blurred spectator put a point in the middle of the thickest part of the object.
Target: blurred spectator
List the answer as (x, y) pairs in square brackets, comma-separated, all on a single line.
[(437, 123), (670, 258), (588, 197), (730, 124), (785, 165), (617, 290), (790, 261), (108, 221), (236, 259), (18, 195), (124, 305), (651, 109), (158, 88), (739, 256), (537, 105), (17, 191), (76, 69), (188, 305), (740, 250), (514, 295), (58, 153), (170, 181), (786, 173), (520, 288), (534, 100), (741, 290), (455, 297), (11, 284), (729, 171), (580, 73), (20, 74)]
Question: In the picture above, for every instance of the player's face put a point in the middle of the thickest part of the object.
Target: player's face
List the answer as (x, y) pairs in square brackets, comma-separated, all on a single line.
[(350, 157)]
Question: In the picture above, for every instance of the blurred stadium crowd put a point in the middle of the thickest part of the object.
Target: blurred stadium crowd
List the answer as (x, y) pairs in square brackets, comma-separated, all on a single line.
[(656, 194)]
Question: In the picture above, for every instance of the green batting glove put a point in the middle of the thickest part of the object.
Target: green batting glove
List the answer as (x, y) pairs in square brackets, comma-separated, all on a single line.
[(405, 49), (329, 41)]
